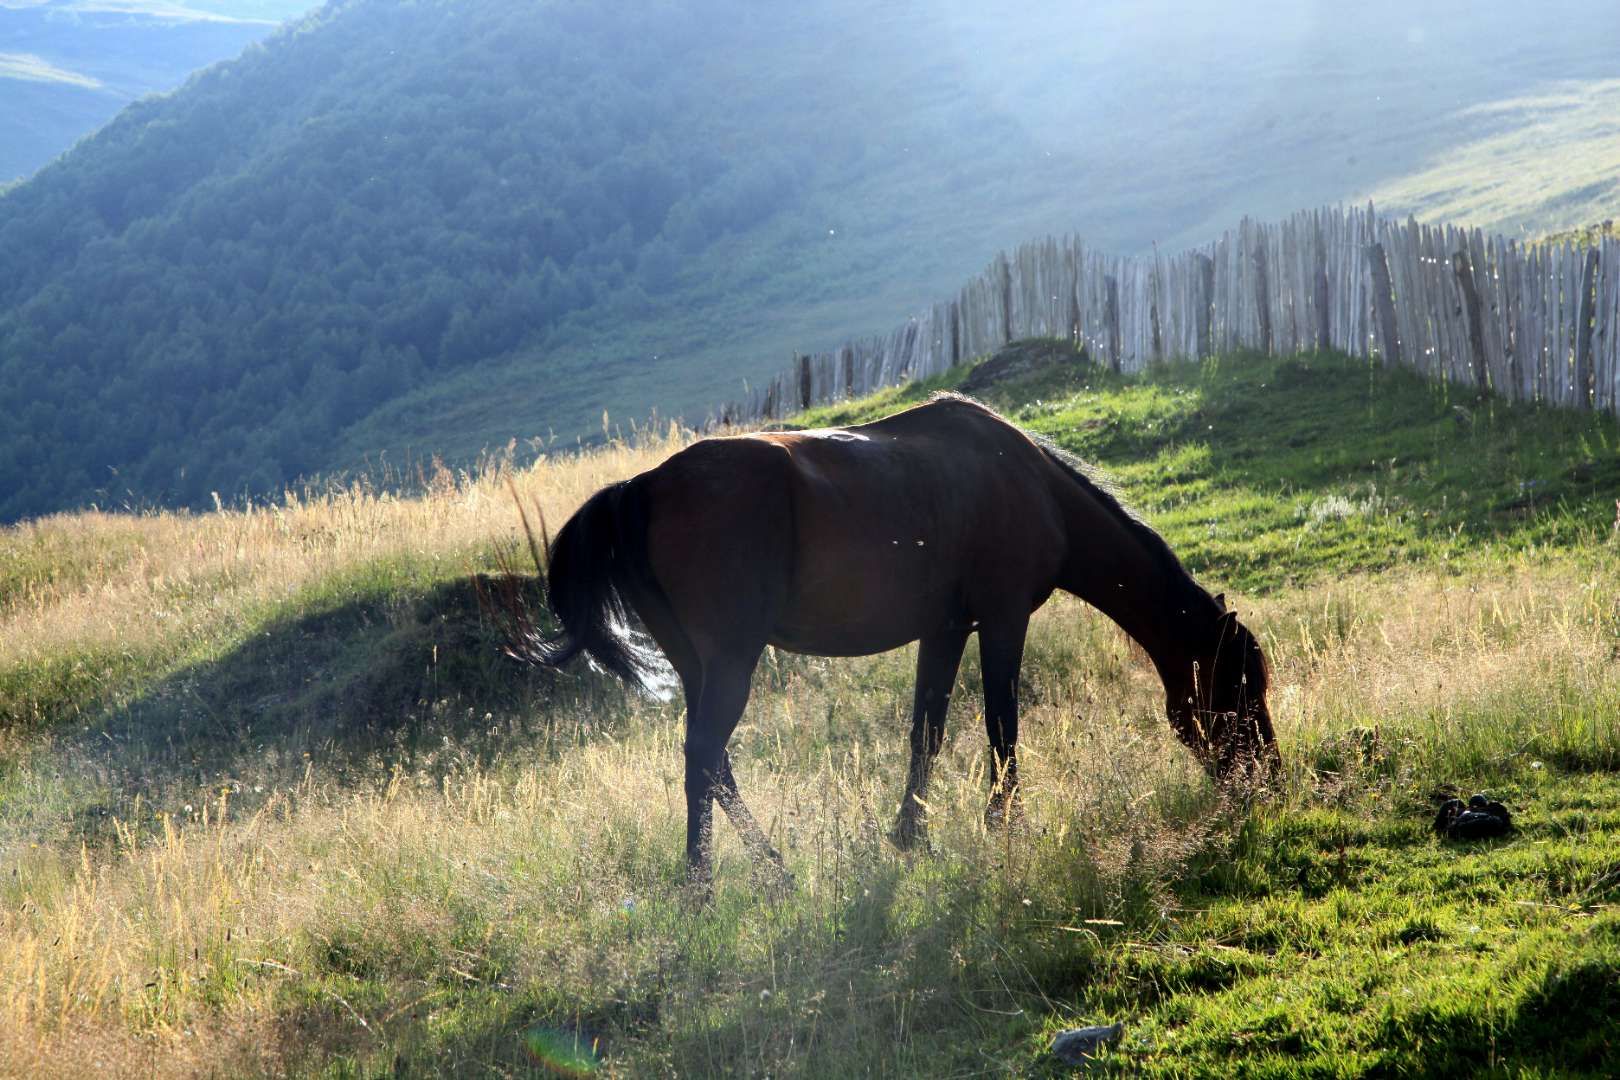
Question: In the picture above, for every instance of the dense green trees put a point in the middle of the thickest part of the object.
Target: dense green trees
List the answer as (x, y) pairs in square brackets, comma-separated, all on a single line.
[(204, 294)]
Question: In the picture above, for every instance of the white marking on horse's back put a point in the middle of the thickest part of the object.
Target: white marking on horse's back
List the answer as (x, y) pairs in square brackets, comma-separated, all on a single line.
[(835, 434)]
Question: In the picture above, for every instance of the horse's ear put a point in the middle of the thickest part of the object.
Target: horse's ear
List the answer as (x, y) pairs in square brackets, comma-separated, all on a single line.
[(1220, 601)]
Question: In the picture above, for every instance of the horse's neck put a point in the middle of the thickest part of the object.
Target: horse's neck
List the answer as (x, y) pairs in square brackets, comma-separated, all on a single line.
[(1118, 570)]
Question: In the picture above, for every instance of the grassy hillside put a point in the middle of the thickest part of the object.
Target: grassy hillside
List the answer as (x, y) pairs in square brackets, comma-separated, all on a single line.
[(1503, 176), (434, 227), (269, 802)]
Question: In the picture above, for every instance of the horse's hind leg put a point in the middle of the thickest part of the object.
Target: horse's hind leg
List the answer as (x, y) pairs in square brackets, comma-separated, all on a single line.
[(720, 704), (938, 656), (700, 786), (1001, 654), (677, 646), (753, 837), (724, 788)]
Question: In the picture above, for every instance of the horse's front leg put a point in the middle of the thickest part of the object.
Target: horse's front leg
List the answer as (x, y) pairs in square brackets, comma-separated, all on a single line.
[(1001, 654), (938, 656)]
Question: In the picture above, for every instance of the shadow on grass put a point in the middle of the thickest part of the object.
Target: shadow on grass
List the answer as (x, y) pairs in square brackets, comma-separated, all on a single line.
[(356, 689), (1562, 1025)]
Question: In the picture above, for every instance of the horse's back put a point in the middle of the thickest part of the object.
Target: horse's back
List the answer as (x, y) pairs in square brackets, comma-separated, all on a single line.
[(927, 517), (950, 469), (854, 540)]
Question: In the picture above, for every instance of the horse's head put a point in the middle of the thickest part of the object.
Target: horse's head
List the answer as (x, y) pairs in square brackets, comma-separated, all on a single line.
[(1218, 705)]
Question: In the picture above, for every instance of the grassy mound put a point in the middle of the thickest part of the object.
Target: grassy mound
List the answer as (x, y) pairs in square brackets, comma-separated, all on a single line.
[(270, 803)]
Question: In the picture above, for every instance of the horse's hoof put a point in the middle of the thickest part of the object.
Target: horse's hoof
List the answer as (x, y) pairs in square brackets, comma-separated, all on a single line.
[(775, 884), (699, 886), (1004, 814), (909, 834)]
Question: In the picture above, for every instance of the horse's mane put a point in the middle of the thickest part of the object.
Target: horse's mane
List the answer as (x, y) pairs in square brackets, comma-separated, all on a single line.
[(1102, 490)]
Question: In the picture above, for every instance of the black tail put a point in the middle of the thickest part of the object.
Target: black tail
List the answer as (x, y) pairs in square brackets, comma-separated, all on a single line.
[(599, 556)]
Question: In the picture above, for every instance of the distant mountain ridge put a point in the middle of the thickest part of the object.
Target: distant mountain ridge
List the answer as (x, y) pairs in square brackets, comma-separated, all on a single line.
[(68, 66), (432, 226)]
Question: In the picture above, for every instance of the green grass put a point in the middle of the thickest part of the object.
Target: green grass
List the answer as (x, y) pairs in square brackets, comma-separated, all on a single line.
[(1328, 943)]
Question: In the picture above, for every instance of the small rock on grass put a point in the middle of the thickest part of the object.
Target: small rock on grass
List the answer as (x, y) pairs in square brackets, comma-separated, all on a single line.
[(1077, 1045)]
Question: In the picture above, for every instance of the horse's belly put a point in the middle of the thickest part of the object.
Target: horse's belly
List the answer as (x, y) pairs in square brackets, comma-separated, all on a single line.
[(858, 606), (840, 640)]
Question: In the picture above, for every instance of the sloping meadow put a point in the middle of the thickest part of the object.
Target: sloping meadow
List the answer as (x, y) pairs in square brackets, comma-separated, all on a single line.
[(271, 801)]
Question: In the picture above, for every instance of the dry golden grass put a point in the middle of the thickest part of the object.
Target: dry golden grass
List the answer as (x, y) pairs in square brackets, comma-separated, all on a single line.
[(95, 578), (173, 951)]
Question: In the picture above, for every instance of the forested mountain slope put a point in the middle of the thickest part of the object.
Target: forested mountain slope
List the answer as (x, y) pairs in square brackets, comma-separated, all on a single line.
[(217, 284), (432, 226)]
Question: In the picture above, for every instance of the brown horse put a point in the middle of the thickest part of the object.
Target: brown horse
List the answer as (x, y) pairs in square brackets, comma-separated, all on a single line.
[(927, 526)]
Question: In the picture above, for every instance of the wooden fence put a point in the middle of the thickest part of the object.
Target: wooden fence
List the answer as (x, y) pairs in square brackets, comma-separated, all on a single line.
[(1524, 321)]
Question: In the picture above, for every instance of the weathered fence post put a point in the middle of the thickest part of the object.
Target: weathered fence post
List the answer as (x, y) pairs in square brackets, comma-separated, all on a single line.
[(805, 382), (1513, 324), (1205, 314), (1111, 315), (1153, 310), (1005, 290), (1462, 264), (1262, 290), (1072, 262), (1389, 342), (1583, 330), (1324, 323), (954, 329)]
